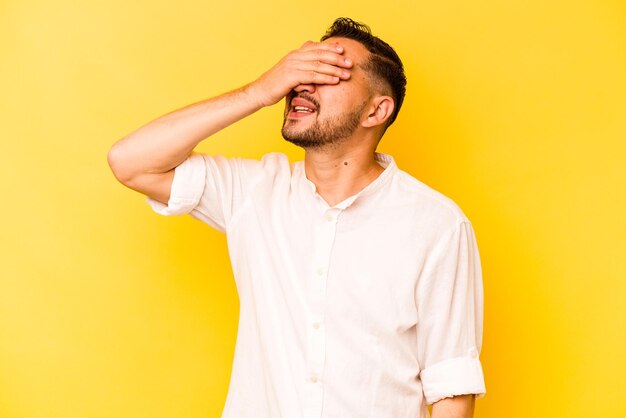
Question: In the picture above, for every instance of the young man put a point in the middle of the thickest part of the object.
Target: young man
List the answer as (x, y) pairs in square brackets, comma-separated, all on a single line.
[(360, 287)]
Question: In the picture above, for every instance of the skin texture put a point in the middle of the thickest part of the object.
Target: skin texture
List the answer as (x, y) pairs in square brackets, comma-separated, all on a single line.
[(461, 406), (321, 134), (344, 164), (339, 138)]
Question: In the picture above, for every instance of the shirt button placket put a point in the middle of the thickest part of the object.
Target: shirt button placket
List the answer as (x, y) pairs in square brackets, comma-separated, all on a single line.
[(316, 338)]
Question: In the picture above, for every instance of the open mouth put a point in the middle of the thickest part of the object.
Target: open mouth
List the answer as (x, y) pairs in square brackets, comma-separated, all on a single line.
[(301, 107)]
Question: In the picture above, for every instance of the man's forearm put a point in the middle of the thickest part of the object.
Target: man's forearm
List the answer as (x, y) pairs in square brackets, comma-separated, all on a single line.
[(461, 406), (164, 143)]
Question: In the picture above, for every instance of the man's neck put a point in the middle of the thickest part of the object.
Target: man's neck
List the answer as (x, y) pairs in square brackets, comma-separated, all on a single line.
[(340, 173)]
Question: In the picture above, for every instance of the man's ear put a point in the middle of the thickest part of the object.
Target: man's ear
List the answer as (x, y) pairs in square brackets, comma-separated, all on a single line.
[(379, 111)]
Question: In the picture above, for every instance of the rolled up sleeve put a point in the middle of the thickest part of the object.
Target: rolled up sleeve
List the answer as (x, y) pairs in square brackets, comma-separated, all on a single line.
[(187, 188), (209, 188), (450, 311)]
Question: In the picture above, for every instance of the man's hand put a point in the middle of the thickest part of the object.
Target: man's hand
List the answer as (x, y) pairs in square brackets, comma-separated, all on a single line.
[(312, 63), (144, 160), (461, 406)]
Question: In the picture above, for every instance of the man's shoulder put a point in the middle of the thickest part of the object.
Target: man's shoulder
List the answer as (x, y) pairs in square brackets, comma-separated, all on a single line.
[(269, 159), (276, 164), (272, 162), (428, 202)]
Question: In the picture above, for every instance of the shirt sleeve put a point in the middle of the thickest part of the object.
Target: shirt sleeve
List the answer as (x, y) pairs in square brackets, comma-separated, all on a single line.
[(209, 188), (450, 318)]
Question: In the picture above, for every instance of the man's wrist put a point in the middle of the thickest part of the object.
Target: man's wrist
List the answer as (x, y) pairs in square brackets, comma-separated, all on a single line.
[(253, 95)]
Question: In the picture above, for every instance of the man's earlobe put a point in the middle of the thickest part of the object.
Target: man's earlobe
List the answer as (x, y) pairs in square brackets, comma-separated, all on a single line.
[(380, 112)]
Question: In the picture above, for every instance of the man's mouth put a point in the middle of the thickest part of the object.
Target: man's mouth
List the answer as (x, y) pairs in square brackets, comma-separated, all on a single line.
[(301, 107)]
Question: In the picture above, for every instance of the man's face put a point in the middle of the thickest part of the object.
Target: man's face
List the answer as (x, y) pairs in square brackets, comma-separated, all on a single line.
[(337, 108)]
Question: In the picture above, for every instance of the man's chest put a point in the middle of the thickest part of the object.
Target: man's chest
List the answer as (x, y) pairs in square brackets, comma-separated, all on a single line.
[(351, 264)]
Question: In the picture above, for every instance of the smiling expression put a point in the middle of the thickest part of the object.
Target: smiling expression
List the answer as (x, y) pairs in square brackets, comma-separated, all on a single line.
[(324, 115)]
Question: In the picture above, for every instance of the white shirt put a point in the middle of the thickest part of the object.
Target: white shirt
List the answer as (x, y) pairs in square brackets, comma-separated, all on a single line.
[(370, 308)]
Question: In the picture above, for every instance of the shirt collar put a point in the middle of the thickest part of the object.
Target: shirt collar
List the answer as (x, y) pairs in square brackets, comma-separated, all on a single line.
[(385, 160)]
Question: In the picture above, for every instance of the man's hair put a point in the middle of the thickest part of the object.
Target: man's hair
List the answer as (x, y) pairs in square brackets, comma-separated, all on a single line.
[(384, 64)]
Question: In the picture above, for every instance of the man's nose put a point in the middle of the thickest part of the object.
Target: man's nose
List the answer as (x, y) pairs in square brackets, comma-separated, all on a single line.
[(309, 88)]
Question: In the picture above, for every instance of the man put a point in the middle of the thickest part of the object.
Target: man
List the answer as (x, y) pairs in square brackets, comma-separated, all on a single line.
[(360, 287)]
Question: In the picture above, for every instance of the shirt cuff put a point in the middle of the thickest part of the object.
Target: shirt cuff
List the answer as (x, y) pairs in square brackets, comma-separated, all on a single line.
[(457, 376), (187, 188)]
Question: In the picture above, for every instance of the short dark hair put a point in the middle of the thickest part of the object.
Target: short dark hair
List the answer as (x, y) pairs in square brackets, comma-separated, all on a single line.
[(383, 63)]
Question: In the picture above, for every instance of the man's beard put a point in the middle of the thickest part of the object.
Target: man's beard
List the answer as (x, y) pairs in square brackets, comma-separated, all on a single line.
[(328, 134)]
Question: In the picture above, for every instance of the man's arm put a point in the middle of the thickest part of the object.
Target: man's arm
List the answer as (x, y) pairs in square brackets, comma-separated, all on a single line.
[(461, 406), (145, 159)]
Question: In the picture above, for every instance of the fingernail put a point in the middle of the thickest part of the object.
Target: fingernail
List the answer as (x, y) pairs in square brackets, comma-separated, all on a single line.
[(348, 61), (339, 48)]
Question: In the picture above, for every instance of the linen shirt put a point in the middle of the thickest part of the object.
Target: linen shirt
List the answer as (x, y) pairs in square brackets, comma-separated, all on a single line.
[(370, 308)]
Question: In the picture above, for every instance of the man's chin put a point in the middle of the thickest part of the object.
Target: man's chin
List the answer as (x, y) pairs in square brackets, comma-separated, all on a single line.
[(294, 134), (294, 140), (302, 141)]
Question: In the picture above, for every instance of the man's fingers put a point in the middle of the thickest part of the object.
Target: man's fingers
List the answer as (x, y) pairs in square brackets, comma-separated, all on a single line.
[(312, 63), (334, 47), (326, 69), (327, 57), (322, 63), (313, 77), (328, 46), (307, 45)]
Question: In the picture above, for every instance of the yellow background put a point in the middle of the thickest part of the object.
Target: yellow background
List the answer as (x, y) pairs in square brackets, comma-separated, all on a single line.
[(515, 109)]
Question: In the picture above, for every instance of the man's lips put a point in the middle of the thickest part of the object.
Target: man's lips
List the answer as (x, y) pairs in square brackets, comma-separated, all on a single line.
[(300, 105), (299, 115)]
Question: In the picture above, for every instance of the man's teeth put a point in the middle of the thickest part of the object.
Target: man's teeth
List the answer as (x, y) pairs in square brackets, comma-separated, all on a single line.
[(303, 109)]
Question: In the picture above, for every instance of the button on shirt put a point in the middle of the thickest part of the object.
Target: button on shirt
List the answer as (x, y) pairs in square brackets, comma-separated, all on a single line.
[(370, 308)]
